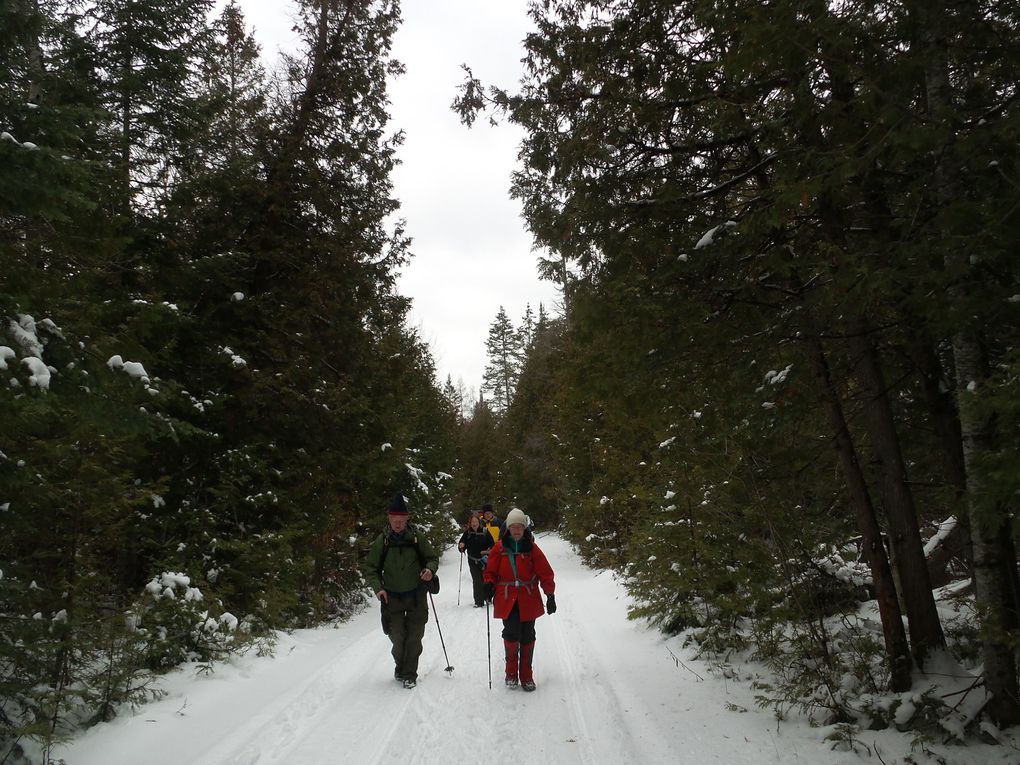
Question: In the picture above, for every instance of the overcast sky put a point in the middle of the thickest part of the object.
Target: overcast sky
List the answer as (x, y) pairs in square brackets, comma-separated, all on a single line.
[(471, 252)]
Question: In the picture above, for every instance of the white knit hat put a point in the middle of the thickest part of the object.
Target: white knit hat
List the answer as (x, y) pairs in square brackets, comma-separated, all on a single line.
[(517, 516)]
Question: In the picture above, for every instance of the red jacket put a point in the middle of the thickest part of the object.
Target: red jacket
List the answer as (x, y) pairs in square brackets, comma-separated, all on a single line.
[(533, 571)]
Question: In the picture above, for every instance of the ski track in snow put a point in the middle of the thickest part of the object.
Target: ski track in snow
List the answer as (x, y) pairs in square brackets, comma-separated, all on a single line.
[(348, 708), (608, 692)]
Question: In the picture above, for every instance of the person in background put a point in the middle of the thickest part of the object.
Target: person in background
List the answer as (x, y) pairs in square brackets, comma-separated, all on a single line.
[(399, 565), (515, 577), (476, 541), (495, 526)]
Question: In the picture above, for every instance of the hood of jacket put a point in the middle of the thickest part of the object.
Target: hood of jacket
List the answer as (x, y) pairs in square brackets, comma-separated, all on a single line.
[(523, 546)]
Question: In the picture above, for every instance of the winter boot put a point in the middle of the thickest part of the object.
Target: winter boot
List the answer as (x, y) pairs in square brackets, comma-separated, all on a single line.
[(511, 648), (527, 679)]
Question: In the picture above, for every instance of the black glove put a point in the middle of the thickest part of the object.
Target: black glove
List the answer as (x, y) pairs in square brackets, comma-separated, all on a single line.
[(550, 603), (490, 591)]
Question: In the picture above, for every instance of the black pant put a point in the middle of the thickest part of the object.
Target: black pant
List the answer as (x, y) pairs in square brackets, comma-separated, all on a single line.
[(477, 583), (517, 631)]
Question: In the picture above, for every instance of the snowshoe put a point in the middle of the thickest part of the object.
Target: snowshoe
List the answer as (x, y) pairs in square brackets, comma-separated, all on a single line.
[(410, 682), (511, 682), (528, 685)]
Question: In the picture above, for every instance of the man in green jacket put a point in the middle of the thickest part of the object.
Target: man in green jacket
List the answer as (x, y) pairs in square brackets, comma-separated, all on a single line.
[(400, 563)]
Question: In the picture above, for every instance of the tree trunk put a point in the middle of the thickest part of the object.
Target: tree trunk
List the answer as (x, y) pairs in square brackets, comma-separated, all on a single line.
[(949, 441), (126, 135), (994, 556), (926, 633), (897, 650), (941, 408), (35, 53)]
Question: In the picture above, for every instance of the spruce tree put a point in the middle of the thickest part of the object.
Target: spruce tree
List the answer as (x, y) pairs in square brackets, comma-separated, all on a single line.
[(220, 388), (536, 472), (146, 54), (504, 351), (480, 476), (783, 196)]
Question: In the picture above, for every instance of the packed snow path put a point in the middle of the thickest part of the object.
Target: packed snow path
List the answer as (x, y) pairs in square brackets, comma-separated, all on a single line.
[(609, 691)]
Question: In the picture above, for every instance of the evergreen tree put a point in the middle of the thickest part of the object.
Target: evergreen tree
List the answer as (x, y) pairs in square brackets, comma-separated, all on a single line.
[(535, 470), (480, 477), (504, 351), (526, 332), (781, 195), (209, 380), (942, 39), (455, 396), (80, 424), (146, 54), (233, 92)]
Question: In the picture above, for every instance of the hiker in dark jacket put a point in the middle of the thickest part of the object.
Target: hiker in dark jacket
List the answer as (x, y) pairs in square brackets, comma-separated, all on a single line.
[(515, 577), (399, 565), (476, 542)]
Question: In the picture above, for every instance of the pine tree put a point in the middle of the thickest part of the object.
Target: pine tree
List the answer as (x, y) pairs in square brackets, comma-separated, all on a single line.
[(534, 466), (234, 87), (940, 40), (455, 397), (782, 212), (526, 331), (504, 351), (80, 424), (480, 477), (245, 408), (146, 54)]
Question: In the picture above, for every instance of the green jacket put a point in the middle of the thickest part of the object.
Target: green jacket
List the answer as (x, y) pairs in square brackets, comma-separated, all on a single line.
[(401, 569)]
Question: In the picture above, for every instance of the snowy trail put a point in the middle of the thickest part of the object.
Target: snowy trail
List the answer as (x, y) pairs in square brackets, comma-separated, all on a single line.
[(608, 692)]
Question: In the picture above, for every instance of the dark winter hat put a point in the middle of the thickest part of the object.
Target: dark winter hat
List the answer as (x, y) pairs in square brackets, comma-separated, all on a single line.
[(486, 508), (398, 506)]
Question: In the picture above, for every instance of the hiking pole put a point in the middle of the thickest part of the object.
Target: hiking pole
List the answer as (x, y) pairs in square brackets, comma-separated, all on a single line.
[(449, 668), (488, 641), (460, 576)]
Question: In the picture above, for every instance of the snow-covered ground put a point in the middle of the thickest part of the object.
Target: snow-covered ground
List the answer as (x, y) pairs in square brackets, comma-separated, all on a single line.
[(609, 691)]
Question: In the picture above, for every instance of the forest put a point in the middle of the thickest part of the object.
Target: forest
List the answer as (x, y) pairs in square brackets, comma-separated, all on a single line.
[(782, 381)]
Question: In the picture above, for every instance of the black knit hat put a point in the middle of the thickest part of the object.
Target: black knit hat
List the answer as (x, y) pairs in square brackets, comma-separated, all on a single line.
[(398, 506), (486, 508)]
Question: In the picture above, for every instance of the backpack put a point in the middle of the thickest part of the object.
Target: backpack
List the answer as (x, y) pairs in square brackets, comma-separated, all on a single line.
[(432, 585)]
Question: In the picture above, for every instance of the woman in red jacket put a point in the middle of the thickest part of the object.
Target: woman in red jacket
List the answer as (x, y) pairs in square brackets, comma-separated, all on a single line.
[(516, 570)]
